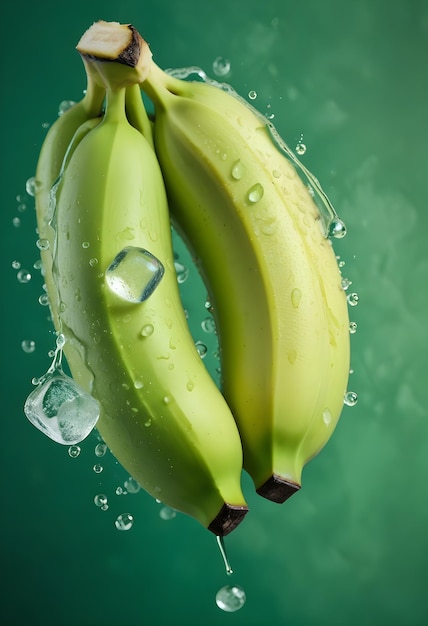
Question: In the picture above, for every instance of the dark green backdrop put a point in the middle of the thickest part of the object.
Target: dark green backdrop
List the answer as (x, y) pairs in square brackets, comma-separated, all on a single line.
[(351, 547)]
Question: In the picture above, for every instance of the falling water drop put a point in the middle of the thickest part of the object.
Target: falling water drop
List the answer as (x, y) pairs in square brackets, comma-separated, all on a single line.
[(220, 543), (351, 398), (230, 598)]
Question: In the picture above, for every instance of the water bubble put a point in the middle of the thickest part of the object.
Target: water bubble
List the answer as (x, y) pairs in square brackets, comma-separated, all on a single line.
[(353, 299), (43, 244), (100, 449), (326, 417), (230, 598), (255, 193), (124, 521), (16, 222), (351, 398), (201, 348), (336, 228), (74, 451), (221, 66), (238, 170), (296, 296), (252, 94), (167, 513), (32, 185), (182, 272), (64, 106), (61, 409), (44, 299), (352, 327), (208, 325), (28, 345), (346, 283), (134, 274), (301, 148), (23, 276), (16, 265), (100, 500), (132, 486), (98, 468), (147, 330)]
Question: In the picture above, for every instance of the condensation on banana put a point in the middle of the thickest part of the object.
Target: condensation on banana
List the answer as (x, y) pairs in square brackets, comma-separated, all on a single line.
[(272, 275), (162, 415)]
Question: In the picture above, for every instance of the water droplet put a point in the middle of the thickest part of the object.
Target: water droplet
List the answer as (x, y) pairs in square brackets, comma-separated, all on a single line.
[(166, 399), (134, 274), (208, 325), (255, 193), (147, 330), (346, 283), (23, 276), (44, 299), (132, 486), (119, 491), (93, 262), (351, 398), (100, 449), (16, 221), (43, 244), (31, 186), (98, 468), (276, 174), (296, 296), (85, 244), (301, 148), (182, 272), (238, 170), (16, 265), (353, 299), (28, 345), (166, 513), (148, 423), (252, 94), (201, 348), (61, 409), (22, 207), (138, 384), (352, 327), (292, 356), (230, 598), (124, 521), (64, 106), (190, 385), (327, 417), (74, 451), (336, 228), (222, 548), (100, 500), (221, 66)]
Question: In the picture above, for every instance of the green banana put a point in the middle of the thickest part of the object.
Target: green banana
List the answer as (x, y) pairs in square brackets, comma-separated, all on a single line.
[(162, 416), (272, 275)]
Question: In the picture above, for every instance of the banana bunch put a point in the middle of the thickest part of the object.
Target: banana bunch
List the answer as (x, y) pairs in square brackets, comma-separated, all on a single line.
[(109, 183), (112, 286)]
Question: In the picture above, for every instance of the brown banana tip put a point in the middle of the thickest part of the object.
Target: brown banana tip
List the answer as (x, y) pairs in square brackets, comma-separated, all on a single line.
[(277, 489), (228, 518)]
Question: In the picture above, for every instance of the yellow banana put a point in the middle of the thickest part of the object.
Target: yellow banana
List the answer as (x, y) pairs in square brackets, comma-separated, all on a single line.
[(272, 275), (115, 297)]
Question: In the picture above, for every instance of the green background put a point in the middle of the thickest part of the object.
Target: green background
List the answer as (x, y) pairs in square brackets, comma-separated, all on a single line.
[(351, 547)]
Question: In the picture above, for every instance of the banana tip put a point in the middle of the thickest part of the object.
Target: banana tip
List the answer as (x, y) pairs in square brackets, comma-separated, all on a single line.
[(228, 518), (277, 489)]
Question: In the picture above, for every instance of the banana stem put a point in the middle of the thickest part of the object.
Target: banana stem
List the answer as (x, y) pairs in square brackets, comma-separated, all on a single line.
[(93, 99), (137, 114)]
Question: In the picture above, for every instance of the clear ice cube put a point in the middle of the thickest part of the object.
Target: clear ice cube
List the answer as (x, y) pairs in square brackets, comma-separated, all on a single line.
[(61, 409), (134, 274)]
